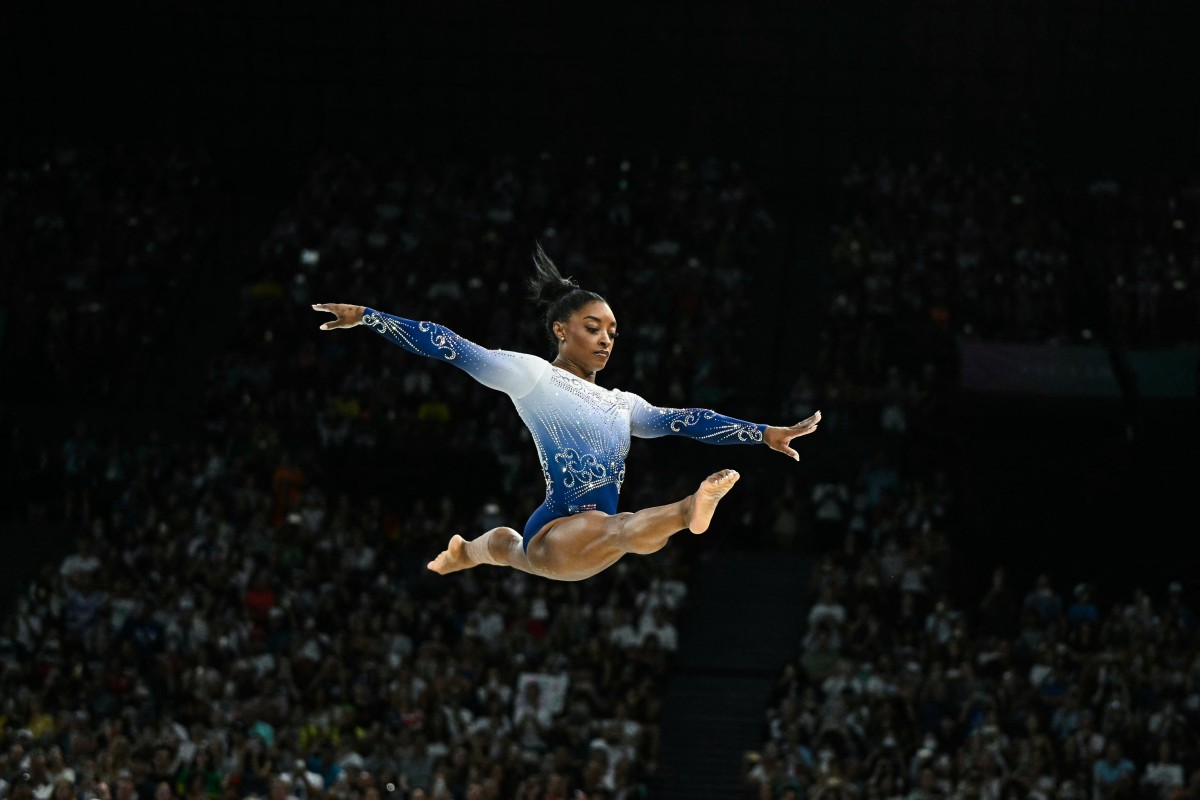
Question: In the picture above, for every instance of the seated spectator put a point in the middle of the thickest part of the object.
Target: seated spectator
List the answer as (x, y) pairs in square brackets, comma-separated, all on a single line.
[(1112, 775)]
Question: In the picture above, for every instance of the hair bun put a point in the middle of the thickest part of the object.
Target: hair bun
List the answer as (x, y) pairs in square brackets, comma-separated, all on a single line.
[(565, 288)]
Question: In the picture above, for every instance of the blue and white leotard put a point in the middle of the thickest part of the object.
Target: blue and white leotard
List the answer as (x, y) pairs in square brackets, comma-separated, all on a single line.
[(582, 431)]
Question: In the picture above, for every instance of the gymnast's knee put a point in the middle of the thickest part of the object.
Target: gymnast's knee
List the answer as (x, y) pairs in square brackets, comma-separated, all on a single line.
[(502, 541)]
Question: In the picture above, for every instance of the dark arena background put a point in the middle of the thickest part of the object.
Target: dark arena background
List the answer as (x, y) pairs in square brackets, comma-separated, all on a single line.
[(968, 233)]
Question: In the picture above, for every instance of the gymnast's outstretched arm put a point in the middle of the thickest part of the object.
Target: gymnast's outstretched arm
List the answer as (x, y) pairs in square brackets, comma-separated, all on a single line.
[(512, 373), (703, 425)]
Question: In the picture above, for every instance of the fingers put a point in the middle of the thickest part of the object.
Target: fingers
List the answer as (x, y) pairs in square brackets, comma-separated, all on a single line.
[(781, 447), (811, 420), (805, 427), (333, 323), (801, 428)]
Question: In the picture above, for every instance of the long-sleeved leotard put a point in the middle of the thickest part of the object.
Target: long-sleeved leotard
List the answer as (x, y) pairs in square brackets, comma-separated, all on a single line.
[(582, 431)]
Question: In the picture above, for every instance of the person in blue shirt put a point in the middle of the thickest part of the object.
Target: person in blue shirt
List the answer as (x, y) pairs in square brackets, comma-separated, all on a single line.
[(582, 434), (1110, 772)]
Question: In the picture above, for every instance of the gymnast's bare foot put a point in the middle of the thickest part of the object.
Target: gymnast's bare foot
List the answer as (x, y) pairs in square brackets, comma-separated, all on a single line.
[(704, 501), (453, 558)]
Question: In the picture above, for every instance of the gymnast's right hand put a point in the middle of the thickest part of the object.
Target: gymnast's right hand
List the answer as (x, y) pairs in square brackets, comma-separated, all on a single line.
[(347, 315)]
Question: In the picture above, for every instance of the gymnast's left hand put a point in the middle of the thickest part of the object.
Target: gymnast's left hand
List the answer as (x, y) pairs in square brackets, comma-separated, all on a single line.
[(347, 315), (780, 438)]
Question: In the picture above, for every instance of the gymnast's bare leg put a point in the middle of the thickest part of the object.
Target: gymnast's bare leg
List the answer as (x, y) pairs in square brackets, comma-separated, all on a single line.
[(577, 547)]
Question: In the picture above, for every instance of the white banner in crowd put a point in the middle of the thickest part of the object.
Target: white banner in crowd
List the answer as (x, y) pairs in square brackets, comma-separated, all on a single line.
[(553, 694)]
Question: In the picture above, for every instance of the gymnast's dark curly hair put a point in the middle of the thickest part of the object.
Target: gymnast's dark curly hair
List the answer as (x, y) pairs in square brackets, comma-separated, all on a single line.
[(561, 296)]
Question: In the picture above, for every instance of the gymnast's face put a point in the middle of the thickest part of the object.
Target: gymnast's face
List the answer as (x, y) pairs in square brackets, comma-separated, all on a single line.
[(585, 341)]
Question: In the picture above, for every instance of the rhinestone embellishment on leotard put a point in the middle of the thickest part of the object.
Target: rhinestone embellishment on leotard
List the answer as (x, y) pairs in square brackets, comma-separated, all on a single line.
[(584, 467), (690, 417), (439, 337), (441, 341)]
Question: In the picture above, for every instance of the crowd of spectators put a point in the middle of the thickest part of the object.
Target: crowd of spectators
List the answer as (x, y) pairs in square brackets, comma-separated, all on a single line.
[(241, 617), (925, 254), (102, 248), (247, 612), (903, 691), (1016, 252), (191, 648), (910, 684)]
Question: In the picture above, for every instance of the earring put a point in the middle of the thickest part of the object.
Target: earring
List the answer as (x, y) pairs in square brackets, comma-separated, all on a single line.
[(563, 339)]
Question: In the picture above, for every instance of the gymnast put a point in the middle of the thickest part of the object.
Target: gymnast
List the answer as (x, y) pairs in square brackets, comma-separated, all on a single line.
[(582, 433)]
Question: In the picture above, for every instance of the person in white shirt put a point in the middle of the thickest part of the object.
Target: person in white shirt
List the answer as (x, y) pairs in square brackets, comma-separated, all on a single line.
[(623, 633), (827, 609), (657, 624), (1164, 775)]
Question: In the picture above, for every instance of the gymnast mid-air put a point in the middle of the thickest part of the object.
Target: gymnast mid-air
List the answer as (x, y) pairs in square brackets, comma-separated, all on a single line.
[(582, 433)]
